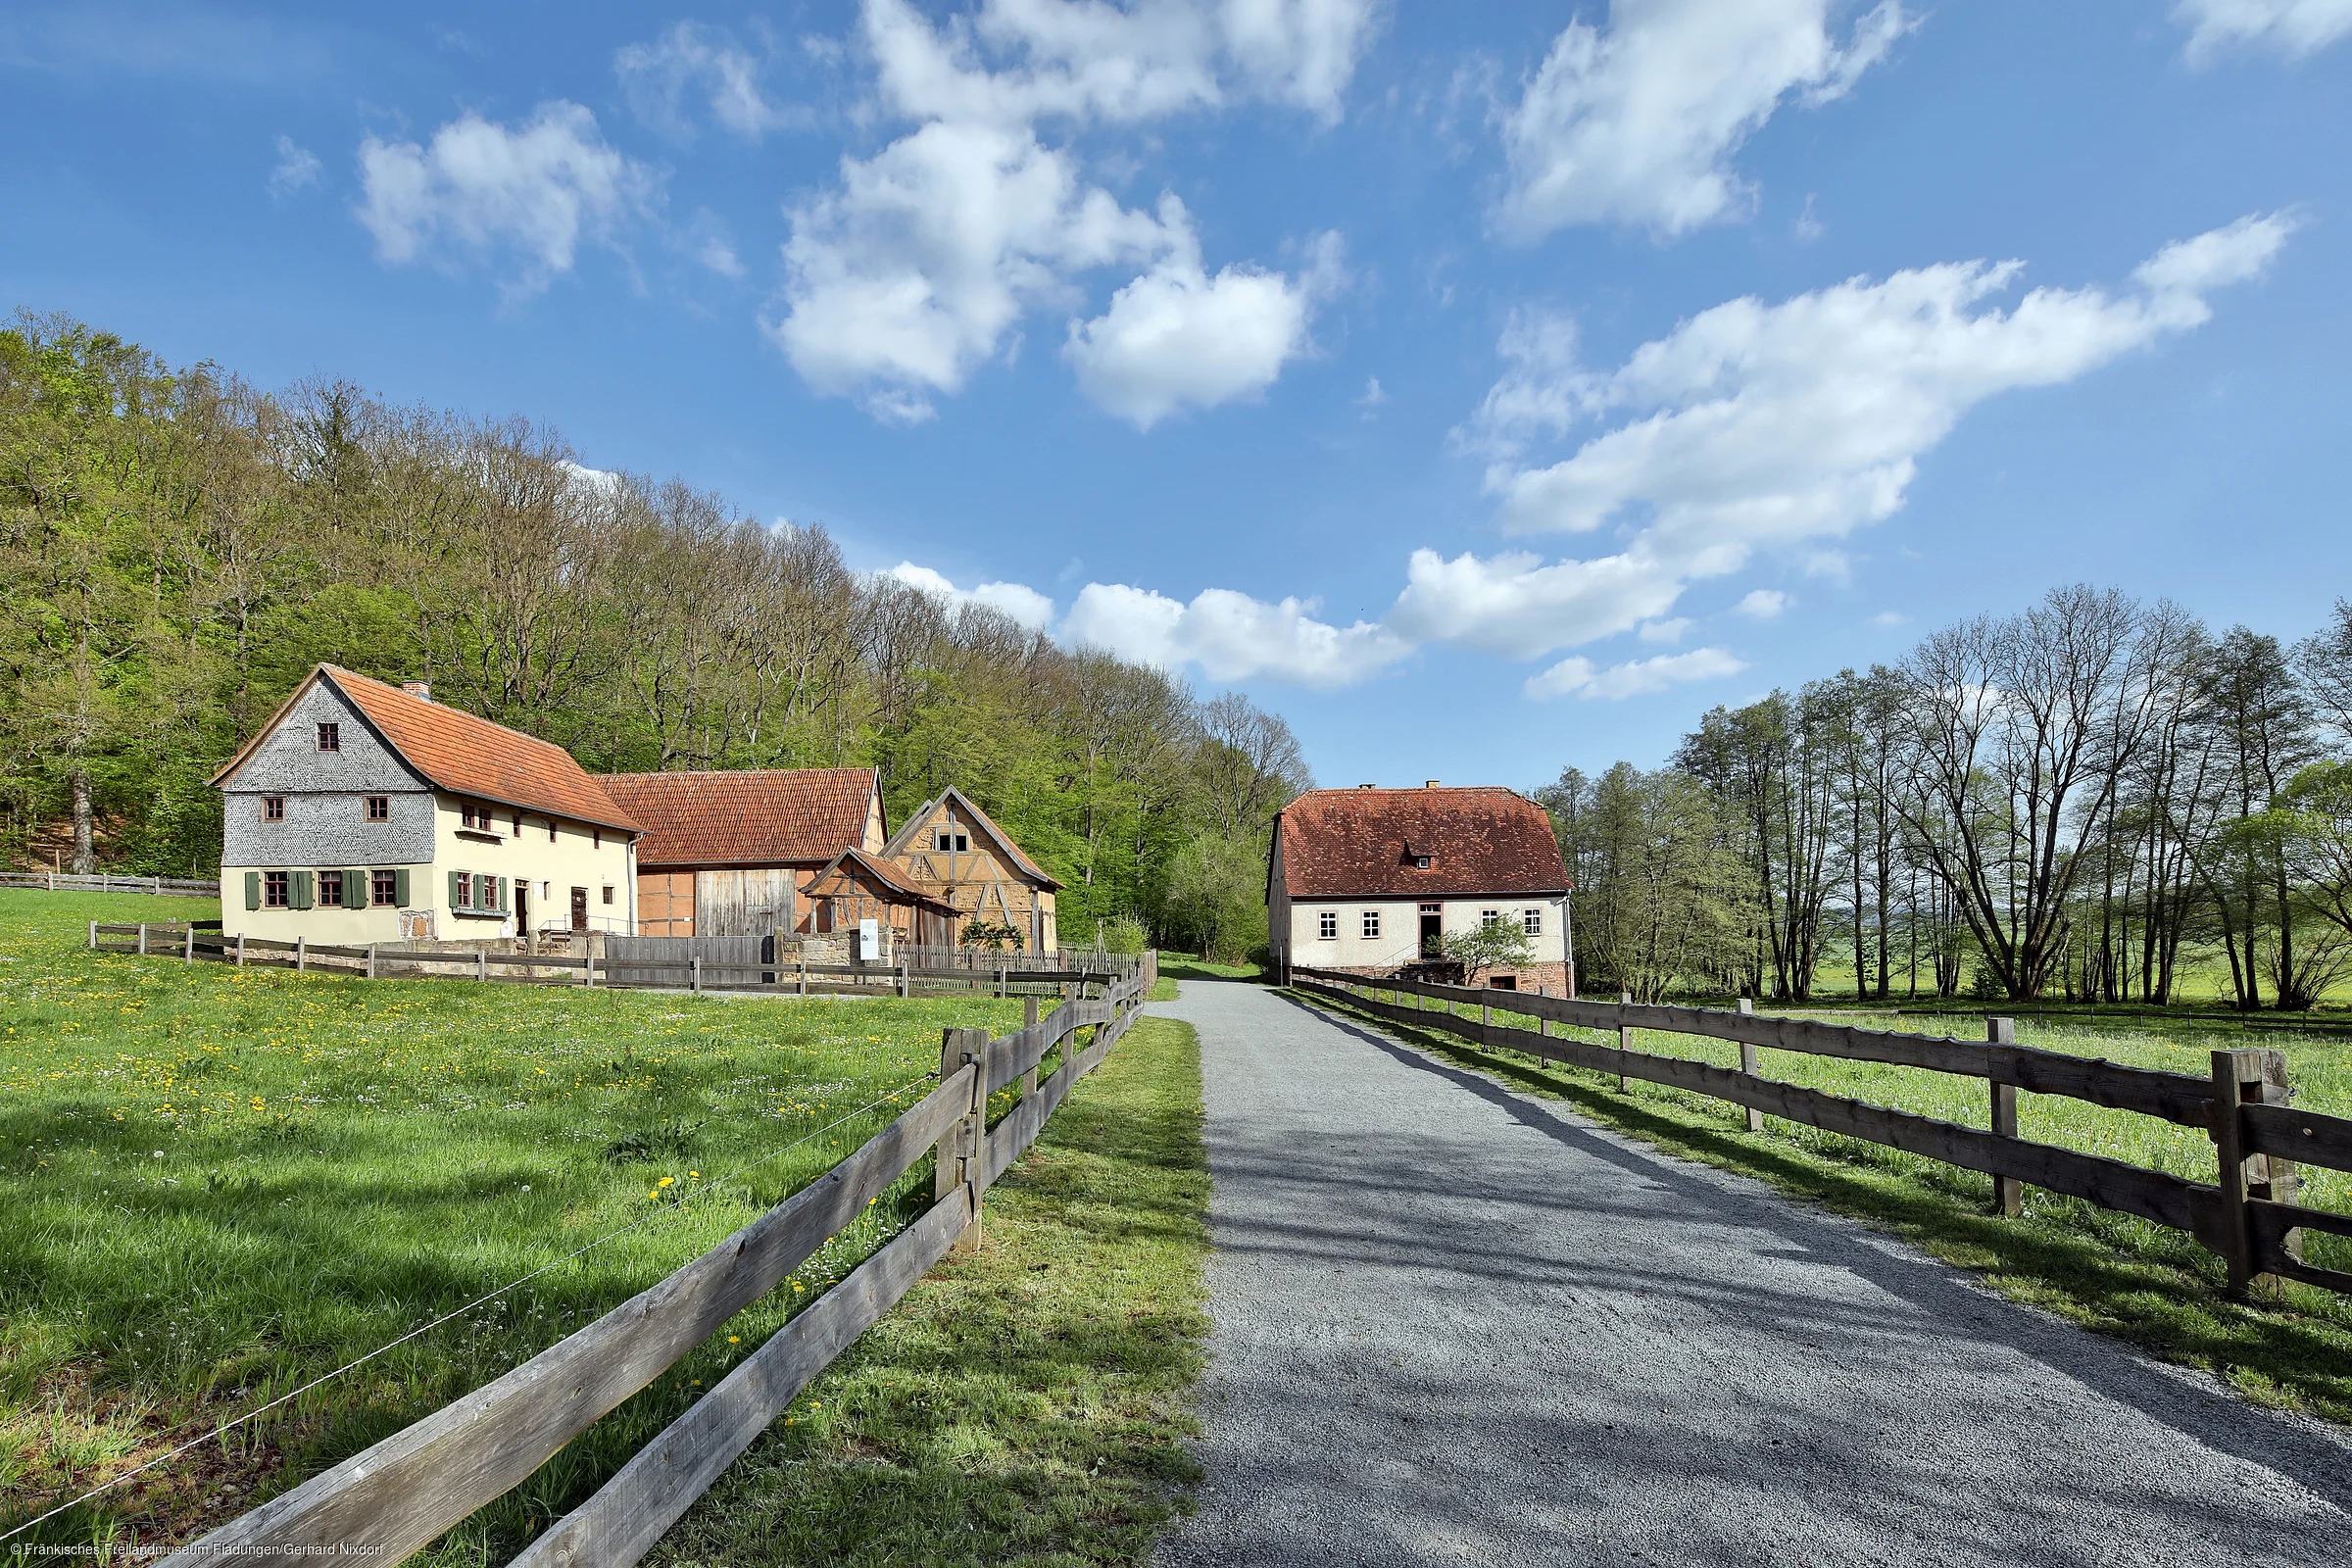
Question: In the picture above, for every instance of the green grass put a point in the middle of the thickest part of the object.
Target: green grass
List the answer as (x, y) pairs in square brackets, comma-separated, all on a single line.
[(2146, 1283), (1191, 966), (221, 1183), (1028, 1402)]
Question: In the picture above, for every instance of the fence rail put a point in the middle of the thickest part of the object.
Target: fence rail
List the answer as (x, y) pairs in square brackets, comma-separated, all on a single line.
[(191, 941), (113, 882), (2247, 1215), (398, 1496)]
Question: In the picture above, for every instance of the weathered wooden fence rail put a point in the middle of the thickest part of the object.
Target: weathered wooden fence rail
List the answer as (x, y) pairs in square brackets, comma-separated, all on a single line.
[(2248, 1215), (202, 940), (111, 882), (395, 1498)]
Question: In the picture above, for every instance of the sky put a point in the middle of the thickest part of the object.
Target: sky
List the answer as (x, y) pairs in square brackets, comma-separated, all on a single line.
[(1487, 389)]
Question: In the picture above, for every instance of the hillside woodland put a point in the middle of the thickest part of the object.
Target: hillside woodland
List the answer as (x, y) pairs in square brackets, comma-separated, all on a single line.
[(2088, 798), (177, 548)]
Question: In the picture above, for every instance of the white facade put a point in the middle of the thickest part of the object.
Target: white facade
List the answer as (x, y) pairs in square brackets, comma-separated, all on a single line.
[(1384, 933)]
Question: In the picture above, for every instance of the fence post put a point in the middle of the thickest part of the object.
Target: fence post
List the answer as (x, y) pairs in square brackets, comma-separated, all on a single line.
[(960, 1145), (2008, 1193), (1029, 1012), (93, 931), (189, 957), (370, 961), (588, 975), (1002, 991), (905, 980), (694, 980), (302, 953), (2250, 1076), (142, 939), (240, 950), (1747, 1065), (482, 963)]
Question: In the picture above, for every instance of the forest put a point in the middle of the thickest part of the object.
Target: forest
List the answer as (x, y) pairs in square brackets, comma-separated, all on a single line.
[(2092, 799), (178, 548)]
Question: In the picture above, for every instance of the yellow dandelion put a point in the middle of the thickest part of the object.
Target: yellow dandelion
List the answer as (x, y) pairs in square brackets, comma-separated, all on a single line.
[(666, 1181)]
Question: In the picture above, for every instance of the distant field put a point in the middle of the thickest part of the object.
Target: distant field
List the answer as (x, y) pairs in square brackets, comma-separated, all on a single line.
[(225, 1182)]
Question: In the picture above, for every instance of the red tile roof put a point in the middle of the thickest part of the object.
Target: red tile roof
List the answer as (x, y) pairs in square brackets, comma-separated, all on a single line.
[(795, 816), (464, 753), (881, 870), (1353, 843)]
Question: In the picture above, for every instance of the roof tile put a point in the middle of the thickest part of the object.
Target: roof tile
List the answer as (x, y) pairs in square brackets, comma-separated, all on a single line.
[(1360, 844), (772, 817)]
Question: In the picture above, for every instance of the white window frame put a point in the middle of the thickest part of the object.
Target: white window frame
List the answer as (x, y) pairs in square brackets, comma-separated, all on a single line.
[(1326, 925), (1371, 925), (1489, 920), (1531, 923)]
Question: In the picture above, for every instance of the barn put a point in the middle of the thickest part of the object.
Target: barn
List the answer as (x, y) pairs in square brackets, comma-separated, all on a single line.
[(730, 854)]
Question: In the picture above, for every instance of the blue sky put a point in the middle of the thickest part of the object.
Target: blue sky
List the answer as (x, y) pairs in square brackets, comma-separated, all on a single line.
[(1485, 388)]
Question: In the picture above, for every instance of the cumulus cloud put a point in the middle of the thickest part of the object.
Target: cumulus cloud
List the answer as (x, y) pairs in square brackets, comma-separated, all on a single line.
[(1231, 635), (1638, 124), (1024, 604), (297, 167), (1515, 605), (1579, 678), (1176, 337), (2293, 27), (1753, 425), (535, 190), (1762, 603), (693, 64), (1663, 631), (920, 266)]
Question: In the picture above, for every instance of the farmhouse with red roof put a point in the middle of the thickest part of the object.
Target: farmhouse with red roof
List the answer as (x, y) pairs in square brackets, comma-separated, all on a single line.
[(368, 812), (1368, 880)]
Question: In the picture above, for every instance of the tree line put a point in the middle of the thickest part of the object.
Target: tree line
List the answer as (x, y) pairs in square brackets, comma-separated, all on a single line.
[(178, 548), (2092, 798)]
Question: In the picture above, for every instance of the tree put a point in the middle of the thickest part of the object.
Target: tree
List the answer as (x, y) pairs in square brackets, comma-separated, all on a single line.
[(1496, 944), (1215, 897)]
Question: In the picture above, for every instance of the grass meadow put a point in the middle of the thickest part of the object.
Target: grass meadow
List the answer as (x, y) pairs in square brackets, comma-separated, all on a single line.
[(222, 1183), (2113, 1272)]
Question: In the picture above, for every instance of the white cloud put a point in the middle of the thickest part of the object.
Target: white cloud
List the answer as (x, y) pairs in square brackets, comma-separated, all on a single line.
[(1231, 635), (920, 268), (1516, 605), (1373, 397), (1663, 631), (2293, 27), (1755, 425), (1889, 619), (1024, 604), (1762, 603), (1579, 677), (691, 61), (297, 167), (910, 276), (1176, 337), (1638, 124), (538, 190)]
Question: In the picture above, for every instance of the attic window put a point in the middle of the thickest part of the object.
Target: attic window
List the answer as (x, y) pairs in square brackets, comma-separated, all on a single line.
[(330, 737), (1420, 862), (947, 843)]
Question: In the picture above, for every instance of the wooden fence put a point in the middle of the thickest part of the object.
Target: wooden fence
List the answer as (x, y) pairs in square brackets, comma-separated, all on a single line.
[(393, 1499), (67, 882), (190, 941), (2248, 1215)]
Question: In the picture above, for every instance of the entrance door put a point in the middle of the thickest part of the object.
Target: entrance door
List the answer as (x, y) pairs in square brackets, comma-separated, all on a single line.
[(579, 908), (1433, 931), (522, 908)]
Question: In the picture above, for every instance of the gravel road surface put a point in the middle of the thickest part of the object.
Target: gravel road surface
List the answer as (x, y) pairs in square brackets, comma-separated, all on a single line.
[(1456, 1325)]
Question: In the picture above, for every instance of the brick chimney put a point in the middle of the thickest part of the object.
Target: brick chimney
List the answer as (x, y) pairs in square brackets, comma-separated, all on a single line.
[(1429, 784)]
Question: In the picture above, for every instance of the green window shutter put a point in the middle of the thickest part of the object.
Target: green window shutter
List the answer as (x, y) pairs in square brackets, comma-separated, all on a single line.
[(400, 886), (354, 889), (253, 890), (457, 900), (301, 898), (503, 900)]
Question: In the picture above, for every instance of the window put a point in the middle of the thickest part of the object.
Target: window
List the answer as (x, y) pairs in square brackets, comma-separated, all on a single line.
[(330, 890), (949, 843), (275, 890), (1420, 862), (1371, 925), (596, 835), (1531, 921), (519, 824), (477, 816), (330, 737), (460, 890), (383, 889), (1326, 924), (379, 807), (1433, 908), (273, 807), (608, 895), (1489, 920), (550, 831)]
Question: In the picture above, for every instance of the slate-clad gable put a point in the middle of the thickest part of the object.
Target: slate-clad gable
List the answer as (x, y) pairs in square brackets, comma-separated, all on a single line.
[(326, 794)]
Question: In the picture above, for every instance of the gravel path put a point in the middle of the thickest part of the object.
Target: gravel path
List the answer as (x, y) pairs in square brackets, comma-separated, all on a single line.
[(1456, 1325)]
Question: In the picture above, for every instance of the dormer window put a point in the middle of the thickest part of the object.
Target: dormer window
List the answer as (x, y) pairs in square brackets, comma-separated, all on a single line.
[(1420, 862)]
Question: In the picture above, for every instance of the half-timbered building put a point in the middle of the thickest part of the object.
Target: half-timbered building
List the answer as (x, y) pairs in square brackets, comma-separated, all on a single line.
[(731, 854), (953, 852)]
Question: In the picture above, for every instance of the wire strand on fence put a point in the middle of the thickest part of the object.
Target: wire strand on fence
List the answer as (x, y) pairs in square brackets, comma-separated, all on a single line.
[(323, 1378)]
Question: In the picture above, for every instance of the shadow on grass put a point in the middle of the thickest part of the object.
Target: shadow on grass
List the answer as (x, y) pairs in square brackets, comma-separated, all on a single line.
[(2138, 1281)]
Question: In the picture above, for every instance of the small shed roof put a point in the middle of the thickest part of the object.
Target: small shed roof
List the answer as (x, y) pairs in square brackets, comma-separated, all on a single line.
[(881, 871), (1363, 844), (773, 817), (460, 751)]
